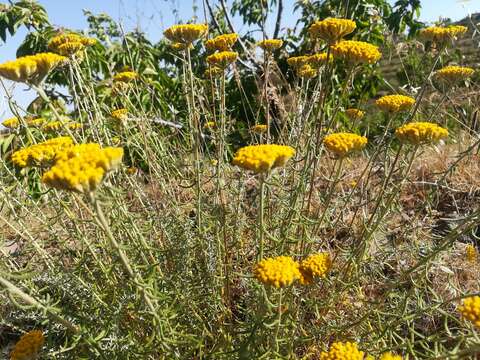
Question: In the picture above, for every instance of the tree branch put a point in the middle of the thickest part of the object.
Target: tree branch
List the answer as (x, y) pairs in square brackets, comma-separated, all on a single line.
[(279, 19)]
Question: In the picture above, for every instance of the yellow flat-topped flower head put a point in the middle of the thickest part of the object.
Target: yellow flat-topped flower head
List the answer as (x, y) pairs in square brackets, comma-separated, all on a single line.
[(209, 125), (81, 168), (11, 123), (342, 351), (54, 126), (42, 154), (270, 45), (454, 74), (343, 144), (356, 52), (180, 46), (119, 114), (354, 114), (186, 34), (395, 103), (307, 72), (471, 253), (418, 133), (69, 44), (443, 34), (259, 128), (35, 122), (313, 266), (331, 29), (318, 60), (470, 309), (279, 271), (222, 59), (263, 158), (390, 356), (223, 42), (29, 346), (125, 76), (297, 61), (30, 69)]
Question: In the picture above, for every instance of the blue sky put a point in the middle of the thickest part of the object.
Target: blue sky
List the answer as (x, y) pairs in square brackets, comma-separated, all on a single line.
[(153, 16)]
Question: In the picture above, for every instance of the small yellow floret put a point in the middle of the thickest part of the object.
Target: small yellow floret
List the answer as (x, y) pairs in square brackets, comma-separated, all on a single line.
[(471, 253), (209, 125), (307, 72), (279, 271), (421, 133), (354, 114), (270, 45), (395, 103), (186, 34), (343, 144), (125, 76), (316, 265), (119, 114), (297, 61), (262, 158), (223, 42), (41, 154), (259, 128), (356, 52), (342, 351), (331, 29), (470, 309), (11, 123), (29, 346), (222, 59), (390, 356)]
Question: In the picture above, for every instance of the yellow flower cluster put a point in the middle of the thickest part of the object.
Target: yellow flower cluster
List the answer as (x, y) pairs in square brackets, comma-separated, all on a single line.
[(223, 42), (186, 34), (343, 144), (441, 35), (331, 29), (32, 68), (316, 265), (259, 128), (420, 133), (270, 45), (470, 309), (28, 346), (454, 74), (279, 271), (342, 351), (119, 114), (356, 52), (297, 61), (262, 158), (35, 122), (125, 76), (471, 253), (222, 59), (318, 60), (41, 154), (390, 356), (82, 167), (395, 103), (69, 44), (354, 114), (11, 123), (209, 125), (306, 71), (59, 125)]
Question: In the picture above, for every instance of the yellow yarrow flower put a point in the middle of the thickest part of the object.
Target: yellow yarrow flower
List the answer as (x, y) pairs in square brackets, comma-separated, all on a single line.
[(395, 103), (35, 122), (11, 123), (59, 125), (82, 167), (263, 158), (454, 74), (180, 46), (306, 71), (69, 44), (209, 125), (29, 346), (417, 133), (356, 52), (471, 253), (279, 271), (119, 114), (354, 114), (470, 309), (270, 45), (259, 128), (186, 34), (316, 265), (331, 29), (32, 68), (390, 356), (222, 59), (42, 154), (318, 60), (342, 351), (343, 144), (441, 35), (223, 42), (297, 61), (125, 76)]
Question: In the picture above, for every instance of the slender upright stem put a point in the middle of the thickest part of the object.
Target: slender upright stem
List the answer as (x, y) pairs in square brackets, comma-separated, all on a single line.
[(261, 225)]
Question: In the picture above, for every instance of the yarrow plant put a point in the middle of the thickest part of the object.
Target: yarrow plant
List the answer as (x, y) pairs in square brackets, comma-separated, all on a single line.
[(395, 103), (270, 45), (263, 158), (470, 309), (417, 133), (454, 74), (331, 29), (356, 52), (279, 272), (343, 144), (223, 42)]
